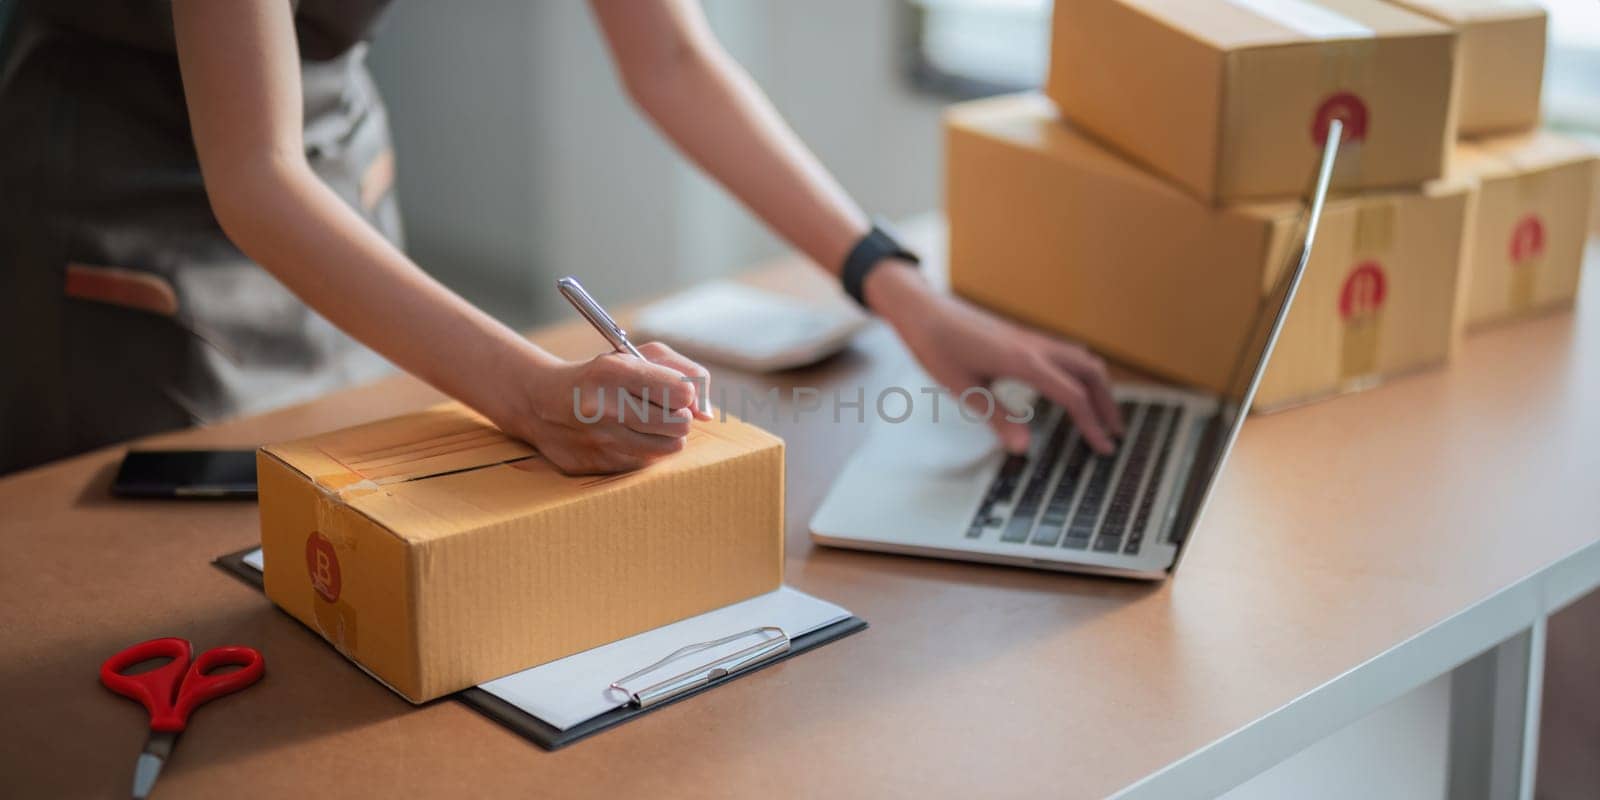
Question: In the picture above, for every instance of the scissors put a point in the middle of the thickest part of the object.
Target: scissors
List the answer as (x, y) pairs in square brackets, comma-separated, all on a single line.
[(173, 691)]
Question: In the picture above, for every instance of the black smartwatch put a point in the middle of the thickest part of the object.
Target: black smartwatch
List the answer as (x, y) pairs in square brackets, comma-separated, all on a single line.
[(868, 253)]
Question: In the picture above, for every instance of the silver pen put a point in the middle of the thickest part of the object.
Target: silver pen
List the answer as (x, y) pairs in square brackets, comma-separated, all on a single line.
[(597, 316)]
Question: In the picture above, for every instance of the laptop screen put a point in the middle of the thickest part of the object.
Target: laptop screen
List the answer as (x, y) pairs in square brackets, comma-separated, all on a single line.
[(1234, 404)]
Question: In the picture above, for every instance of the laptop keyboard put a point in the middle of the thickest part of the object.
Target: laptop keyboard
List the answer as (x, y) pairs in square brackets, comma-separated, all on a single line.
[(1067, 496), (1038, 481)]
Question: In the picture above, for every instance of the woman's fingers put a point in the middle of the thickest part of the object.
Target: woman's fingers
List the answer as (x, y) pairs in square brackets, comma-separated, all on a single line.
[(656, 421), (699, 377), (647, 383), (1013, 436), (633, 411), (633, 444), (1065, 390), (1091, 372), (624, 412), (607, 447)]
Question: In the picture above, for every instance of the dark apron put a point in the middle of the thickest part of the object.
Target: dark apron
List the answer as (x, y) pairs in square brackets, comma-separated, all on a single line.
[(125, 310)]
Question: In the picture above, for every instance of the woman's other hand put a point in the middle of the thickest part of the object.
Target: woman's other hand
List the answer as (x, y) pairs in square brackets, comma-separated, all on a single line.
[(962, 346)]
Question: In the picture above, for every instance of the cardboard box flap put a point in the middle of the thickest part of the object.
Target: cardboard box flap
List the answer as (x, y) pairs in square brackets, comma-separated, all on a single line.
[(1466, 12), (1239, 24), (438, 441)]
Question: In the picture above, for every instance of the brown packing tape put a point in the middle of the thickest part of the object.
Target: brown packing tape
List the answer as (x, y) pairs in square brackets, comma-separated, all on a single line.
[(1358, 362), (1375, 228), (444, 440), (335, 618), (336, 622), (1524, 284), (1363, 294), (363, 488)]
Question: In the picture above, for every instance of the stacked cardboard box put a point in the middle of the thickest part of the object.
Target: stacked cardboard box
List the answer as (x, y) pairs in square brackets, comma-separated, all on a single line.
[(1230, 99), (1501, 60), (1147, 205), (1526, 250), (1526, 247), (1052, 228)]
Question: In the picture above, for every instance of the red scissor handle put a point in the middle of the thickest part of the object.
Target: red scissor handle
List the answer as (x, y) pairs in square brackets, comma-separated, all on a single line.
[(172, 691)]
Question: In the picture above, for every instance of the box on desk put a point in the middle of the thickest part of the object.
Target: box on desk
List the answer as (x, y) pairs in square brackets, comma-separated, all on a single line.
[(437, 553), (1050, 228), (1501, 60), (1526, 248), (1231, 99)]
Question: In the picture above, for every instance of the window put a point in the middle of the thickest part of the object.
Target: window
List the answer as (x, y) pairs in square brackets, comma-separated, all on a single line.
[(973, 48), (1572, 65)]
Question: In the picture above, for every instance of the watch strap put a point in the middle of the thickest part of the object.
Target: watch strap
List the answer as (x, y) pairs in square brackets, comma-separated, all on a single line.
[(868, 253)]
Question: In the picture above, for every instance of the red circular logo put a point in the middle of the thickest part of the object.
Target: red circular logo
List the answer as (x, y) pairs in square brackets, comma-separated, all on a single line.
[(1527, 239), (1364, 290), (1345, 107), (322, 564)]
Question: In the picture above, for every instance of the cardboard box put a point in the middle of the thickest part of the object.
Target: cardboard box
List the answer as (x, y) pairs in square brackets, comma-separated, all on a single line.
[(1050, 228), (1230, 99), (1594, 223), (1501, 60), (438, 553), (1526, 247)]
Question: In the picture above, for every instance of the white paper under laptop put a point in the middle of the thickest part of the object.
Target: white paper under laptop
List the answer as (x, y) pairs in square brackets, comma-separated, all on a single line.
[(575, 689)]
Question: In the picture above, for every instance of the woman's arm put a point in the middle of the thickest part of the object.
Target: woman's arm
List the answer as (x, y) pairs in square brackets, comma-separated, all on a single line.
[(679, 75), (241, 78)]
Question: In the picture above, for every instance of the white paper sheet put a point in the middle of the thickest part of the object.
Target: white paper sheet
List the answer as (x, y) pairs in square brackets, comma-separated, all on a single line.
[(574, 689), (253, 558)]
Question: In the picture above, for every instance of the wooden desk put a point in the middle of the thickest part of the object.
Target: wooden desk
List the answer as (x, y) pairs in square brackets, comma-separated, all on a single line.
[(1356, 548)]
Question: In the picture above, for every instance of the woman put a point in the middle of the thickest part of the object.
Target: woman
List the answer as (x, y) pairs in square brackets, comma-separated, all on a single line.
[(168, 162)]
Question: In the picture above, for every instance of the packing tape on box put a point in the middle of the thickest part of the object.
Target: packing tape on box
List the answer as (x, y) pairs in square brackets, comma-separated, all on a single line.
[(1307, 18), (1347, 54), (1364, 293), (335, 618)]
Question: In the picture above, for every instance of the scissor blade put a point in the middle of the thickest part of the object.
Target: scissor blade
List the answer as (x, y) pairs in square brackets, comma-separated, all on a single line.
[(145, 771)]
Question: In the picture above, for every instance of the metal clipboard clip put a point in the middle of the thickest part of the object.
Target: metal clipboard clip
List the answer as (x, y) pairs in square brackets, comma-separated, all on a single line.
[(763, 651)]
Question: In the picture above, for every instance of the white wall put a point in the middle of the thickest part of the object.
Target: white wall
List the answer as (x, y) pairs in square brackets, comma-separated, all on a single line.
[(521, 160)]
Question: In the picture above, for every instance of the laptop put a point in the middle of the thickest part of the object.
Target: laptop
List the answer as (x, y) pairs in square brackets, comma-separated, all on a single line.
[(940, 486)]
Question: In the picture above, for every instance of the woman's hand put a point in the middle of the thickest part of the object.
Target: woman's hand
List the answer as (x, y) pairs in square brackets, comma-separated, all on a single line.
[(963, 346), (611, 413)]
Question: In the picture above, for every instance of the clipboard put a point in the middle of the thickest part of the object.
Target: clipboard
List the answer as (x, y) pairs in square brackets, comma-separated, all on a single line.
[(767, 645)]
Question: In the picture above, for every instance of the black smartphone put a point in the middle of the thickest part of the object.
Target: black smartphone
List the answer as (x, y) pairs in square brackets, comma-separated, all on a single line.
[(186, 473)]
